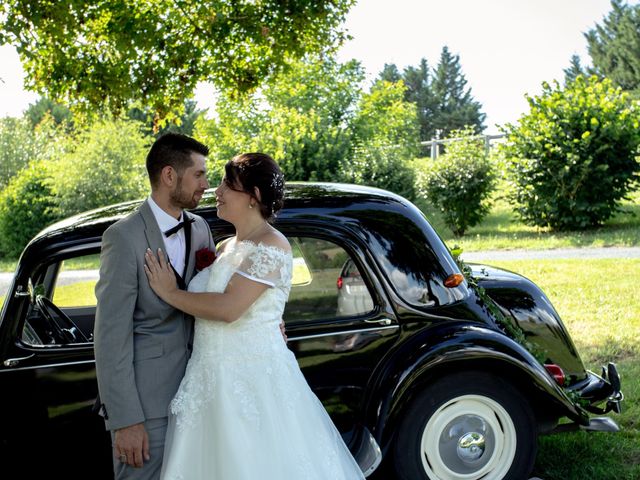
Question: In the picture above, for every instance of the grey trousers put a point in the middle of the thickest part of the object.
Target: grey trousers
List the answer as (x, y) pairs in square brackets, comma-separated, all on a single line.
[(156, 429)]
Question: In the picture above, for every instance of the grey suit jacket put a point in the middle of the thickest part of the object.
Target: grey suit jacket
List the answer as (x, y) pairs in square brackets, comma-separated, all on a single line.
[(141, 343)]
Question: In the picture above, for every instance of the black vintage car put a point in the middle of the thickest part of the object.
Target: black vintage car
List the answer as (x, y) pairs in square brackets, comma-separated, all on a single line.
[(444, 376)]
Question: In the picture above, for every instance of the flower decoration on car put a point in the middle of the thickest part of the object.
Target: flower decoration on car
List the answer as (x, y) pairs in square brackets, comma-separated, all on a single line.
[(204, 258)]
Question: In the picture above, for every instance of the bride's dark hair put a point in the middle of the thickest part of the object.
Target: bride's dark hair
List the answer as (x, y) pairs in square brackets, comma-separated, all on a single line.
[(250, 170)]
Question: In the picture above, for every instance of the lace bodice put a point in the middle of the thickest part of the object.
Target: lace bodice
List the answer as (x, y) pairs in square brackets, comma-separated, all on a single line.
[(252, 340), (262, 263)]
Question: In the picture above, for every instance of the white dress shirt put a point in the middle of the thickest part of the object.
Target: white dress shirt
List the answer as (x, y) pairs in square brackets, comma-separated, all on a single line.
[(174, 245)]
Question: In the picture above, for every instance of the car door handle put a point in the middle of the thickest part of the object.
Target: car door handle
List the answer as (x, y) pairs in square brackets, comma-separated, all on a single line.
[(380, 321), (12, 362)]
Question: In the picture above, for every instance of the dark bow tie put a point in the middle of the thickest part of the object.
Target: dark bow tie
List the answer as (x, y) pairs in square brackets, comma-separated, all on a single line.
[(179, 226)]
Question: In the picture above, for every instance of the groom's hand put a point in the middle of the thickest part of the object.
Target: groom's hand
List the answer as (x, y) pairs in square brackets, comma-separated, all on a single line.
[(283, 332), (131, 445)]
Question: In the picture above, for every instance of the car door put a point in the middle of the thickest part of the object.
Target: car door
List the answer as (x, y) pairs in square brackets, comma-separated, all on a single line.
[(48, 425), (338, 321)]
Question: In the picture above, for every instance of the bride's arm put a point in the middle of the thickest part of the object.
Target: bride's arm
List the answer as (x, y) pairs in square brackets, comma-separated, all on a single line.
[(228, 306)]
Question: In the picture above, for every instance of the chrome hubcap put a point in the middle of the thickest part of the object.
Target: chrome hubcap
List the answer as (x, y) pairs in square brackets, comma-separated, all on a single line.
[(471, 446), (470, 437)]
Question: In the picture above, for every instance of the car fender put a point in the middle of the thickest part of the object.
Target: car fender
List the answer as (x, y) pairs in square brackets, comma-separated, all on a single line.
[(453, 346)]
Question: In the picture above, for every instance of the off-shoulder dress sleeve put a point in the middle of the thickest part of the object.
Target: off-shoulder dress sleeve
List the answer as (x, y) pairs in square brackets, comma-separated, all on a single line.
[(264, 264)]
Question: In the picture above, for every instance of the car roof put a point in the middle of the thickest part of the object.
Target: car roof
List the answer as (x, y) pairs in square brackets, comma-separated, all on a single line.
[(323, 195)]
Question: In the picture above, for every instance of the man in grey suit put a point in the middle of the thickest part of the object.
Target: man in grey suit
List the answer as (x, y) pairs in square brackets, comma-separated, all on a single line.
[(141, 343)]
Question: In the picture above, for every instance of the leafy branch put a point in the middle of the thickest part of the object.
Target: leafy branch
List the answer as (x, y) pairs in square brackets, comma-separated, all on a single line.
[(507, 326)]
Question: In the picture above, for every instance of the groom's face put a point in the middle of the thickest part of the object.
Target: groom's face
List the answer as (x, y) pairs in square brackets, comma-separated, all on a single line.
[(191, 184)]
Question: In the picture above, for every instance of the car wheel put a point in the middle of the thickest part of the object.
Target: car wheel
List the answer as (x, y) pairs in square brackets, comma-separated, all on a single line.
[(467, 426)]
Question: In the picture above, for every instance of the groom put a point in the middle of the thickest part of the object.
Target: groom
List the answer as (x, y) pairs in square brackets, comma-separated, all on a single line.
[(141, 343)]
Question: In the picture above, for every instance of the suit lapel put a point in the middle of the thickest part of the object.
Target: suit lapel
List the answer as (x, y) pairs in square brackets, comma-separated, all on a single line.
[(151, 228), (189, 240)]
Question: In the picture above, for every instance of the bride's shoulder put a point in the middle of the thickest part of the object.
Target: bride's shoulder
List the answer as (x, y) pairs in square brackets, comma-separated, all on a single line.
[(274, 239)]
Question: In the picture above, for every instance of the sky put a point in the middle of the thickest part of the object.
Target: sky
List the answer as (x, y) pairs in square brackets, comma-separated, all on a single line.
[(507, 48)]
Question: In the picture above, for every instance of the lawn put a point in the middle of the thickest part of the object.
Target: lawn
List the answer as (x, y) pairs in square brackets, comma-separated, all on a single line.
[(599, 303), (502, 229)]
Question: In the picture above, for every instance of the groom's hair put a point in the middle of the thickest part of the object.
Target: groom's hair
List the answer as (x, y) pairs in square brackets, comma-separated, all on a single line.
[(172, 149)]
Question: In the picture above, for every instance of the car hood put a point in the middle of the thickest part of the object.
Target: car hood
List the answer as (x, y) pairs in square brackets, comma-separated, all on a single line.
[(523, 301)]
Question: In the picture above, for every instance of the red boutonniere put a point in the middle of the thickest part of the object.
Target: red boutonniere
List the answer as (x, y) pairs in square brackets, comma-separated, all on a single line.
[(204, 258)]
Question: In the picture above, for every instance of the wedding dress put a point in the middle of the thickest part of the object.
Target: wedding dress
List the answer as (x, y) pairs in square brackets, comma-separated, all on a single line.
[(244, 411)]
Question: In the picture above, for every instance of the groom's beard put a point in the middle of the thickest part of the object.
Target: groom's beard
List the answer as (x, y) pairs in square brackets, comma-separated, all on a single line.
[(185, 200)]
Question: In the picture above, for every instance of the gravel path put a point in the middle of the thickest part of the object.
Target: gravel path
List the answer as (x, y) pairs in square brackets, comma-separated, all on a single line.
[(604, 252)]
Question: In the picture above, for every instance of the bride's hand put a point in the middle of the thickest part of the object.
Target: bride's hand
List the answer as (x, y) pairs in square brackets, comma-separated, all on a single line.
[(160, 274)]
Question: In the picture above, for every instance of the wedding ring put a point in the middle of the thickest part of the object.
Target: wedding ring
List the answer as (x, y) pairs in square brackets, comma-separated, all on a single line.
[(123, 458)]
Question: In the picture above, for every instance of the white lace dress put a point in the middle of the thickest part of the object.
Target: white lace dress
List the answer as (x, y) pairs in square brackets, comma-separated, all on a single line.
[(244, 410)]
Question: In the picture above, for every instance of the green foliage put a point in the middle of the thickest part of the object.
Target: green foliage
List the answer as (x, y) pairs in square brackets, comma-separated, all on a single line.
[(614, 46), (26, 207), (460, 182), (184, 123), (456, 109), (386, 131), (507, 325), (20, 144), (106, 165), (574, 69), (444, 102), (317, 125), (572, 158), (302, 120), (45, 108), (110, 54)]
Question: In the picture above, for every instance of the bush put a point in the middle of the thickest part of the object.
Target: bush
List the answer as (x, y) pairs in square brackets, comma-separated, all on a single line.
[(20, 143), (572, 158), (26, 207), (106, 166), (460, 182), (386, 139)]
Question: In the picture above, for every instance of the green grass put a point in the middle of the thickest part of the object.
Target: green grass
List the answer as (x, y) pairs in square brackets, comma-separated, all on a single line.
[(599, 303), (8, 265), (78, 294), (502, 229)]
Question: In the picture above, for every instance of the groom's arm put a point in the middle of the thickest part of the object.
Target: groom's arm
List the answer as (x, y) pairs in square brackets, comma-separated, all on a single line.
[(116, 292)]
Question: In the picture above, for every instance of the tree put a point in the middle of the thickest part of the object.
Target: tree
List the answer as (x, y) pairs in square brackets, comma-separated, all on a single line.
[(573, 157), (318, 125), (46, 107), (574, 69), (442, 100), (420, 92), (302, 120), (26, 206), (390, 73), (184, 123), (107, 54), (20, 143), (386, 133), (456, 109), (614, 46), (106, 165)]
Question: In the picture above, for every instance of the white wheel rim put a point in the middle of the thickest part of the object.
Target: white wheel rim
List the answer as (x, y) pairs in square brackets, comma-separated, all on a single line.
[(469, 437)]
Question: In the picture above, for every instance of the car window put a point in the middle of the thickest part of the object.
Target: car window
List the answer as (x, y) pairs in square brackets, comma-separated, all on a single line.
[(67, 286), (326, 283), (76, 281)]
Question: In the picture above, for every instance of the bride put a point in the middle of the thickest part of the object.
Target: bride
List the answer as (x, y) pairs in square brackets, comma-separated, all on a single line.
[(244, 410)]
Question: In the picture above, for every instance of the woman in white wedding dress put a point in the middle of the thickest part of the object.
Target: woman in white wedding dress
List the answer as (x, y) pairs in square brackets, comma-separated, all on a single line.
[(244, 410)]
